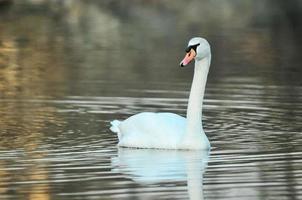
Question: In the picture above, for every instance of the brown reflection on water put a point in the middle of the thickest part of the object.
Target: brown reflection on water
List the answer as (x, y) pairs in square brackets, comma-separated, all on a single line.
[(5, 178), (27, 68), (36, 173), (23, 126), (30, 182), (8, 67), (27, 72)]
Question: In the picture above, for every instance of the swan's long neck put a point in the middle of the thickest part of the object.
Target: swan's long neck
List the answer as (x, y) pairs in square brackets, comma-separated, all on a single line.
[(194, 111)]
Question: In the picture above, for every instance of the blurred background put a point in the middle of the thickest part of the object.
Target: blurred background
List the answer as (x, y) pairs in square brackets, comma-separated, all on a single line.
[(69, 67), (53, 48)]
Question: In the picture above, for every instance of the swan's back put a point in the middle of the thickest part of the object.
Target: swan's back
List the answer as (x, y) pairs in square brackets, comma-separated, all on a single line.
[(151, 130)]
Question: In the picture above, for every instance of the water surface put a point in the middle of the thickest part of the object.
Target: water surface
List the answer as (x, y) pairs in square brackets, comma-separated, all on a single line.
[(68, 68)]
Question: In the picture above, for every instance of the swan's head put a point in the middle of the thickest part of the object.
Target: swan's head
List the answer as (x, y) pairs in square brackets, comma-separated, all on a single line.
[(198, 49)]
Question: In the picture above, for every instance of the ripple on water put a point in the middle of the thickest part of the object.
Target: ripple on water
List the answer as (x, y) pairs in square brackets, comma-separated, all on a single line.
[(255, 149)]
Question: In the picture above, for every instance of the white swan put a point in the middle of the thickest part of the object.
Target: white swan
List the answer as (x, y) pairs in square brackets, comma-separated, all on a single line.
[(169, 130)]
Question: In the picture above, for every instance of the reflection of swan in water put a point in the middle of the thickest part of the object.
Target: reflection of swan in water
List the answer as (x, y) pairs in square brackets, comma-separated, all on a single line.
[(149, 166)]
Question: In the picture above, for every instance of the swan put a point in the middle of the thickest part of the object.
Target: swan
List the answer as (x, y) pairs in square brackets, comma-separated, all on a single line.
[(169, 130)]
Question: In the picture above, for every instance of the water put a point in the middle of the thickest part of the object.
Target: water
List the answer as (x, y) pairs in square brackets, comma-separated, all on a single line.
[(68, 68)]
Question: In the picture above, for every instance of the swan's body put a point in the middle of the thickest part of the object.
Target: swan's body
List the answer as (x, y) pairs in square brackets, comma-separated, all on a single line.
[(169, 130), (151, 130)]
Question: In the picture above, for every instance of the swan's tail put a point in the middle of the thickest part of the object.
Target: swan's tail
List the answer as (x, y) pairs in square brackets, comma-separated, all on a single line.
[(115, 127)]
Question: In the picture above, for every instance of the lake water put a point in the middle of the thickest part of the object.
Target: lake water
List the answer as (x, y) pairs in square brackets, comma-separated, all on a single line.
[(67, 68)]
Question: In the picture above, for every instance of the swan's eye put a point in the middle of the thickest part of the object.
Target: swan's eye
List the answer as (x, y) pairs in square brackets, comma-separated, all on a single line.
[(194, 47), (188, 49)]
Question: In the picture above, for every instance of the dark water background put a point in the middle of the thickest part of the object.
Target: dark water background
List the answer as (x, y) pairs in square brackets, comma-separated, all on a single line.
[(69, 67)]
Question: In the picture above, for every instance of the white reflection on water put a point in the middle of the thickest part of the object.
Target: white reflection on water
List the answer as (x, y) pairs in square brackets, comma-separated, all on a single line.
[(150, 166)]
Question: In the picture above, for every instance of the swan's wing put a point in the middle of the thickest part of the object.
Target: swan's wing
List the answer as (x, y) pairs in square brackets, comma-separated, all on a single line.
[(152, 130)]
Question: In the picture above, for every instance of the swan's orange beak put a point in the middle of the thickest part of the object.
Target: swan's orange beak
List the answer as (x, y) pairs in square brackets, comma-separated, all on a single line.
[(188, 58)]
